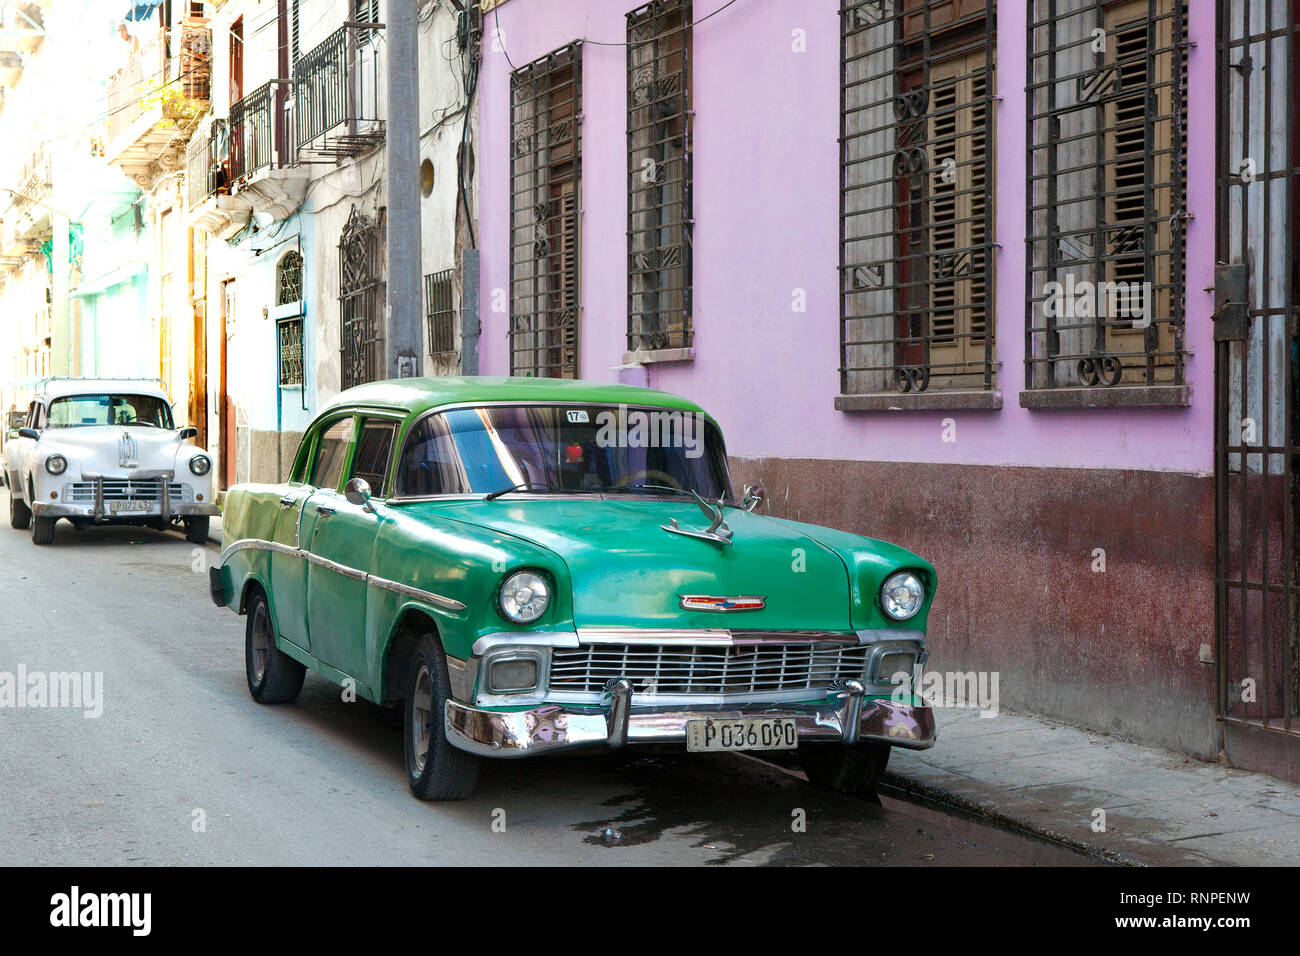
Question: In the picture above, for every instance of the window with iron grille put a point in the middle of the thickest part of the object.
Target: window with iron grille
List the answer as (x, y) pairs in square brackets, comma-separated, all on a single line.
[(361, 299), (289, 333), (659, 176), (1107, 147), (545, 176), (916, 195), (440, 310), (288, 278)]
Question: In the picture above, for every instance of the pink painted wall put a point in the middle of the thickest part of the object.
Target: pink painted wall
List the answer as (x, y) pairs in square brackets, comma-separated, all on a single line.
[(767, 208)]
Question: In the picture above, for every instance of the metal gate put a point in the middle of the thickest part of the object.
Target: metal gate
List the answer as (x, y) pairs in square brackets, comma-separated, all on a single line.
[(1257, 295), (361, 296)]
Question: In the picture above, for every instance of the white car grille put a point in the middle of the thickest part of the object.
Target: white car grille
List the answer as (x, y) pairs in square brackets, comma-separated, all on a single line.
[(124, 489), (707, 670)]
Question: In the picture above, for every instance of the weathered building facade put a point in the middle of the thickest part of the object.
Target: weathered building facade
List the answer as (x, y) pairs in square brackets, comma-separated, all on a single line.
[(945, 272)]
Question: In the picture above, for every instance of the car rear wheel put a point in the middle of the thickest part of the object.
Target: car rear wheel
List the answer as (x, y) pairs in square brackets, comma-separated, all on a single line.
[(435, 769), (273, 676), (19, 514), (847, 769), (196, 529), (43, 529)]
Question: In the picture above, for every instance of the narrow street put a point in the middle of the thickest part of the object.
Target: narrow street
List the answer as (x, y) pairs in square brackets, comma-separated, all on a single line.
[(321, 781)]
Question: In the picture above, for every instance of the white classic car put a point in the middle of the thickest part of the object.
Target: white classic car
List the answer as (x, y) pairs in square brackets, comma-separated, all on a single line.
[(105, 451)]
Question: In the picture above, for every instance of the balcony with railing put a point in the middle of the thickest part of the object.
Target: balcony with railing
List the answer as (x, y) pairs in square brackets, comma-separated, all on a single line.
[(209, 203), (27, 218), (162, 90), (337, 95)]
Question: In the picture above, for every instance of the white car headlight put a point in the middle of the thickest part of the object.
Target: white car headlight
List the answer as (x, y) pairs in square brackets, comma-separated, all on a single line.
[(200, 465), (902, 595), (524, 597), (56, 464)]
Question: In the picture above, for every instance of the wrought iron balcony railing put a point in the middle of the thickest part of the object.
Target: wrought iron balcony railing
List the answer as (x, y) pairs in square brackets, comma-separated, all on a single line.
[(205, 163), (260, 135), (336, 95), (172, 70)]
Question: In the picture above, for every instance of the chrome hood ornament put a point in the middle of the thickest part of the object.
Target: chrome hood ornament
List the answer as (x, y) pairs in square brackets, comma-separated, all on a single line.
[(716, 533), (128, 453)]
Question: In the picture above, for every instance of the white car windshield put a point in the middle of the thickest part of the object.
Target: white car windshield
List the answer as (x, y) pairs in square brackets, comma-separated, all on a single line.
[(79, 410)]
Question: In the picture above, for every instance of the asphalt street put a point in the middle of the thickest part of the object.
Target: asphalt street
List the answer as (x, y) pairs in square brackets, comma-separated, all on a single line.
[(183, 768)]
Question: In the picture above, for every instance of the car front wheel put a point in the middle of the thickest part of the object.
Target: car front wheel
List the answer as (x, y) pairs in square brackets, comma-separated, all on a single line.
[(19, 514), (43, 529), (847, 769), (435, 769), (196, 529), (273, 676)]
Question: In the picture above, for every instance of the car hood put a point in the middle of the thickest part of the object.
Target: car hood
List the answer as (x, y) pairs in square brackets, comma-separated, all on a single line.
[(628, 571), (97, 449)]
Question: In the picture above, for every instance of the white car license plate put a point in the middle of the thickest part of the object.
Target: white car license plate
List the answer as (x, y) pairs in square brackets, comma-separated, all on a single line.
[(745, 733), (140, 505)]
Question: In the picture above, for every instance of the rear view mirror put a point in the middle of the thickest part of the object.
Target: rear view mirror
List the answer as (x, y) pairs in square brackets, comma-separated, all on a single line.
[(28, 433), (187, 433)]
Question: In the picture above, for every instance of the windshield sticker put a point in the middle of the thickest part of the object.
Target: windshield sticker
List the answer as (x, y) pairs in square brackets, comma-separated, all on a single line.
[(578, 417)]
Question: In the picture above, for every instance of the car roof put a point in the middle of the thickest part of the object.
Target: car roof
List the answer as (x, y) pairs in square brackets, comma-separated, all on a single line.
[(421, 394), (60, 387)]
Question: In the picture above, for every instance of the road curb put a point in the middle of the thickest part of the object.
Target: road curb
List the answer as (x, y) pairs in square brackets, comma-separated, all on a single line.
[(989, 811)]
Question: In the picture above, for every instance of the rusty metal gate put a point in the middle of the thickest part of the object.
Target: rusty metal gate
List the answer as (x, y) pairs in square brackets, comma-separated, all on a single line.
[(1257, 297)]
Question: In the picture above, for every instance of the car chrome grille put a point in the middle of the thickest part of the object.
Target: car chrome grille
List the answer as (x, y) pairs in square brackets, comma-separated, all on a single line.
[(123, 489), (707, 670)]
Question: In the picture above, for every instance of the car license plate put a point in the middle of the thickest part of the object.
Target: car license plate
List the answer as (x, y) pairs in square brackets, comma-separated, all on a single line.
[(746, 733), (130, 505)]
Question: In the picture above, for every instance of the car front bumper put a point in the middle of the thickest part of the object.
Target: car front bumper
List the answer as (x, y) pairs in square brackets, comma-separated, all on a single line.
[(847, 717), (99, 510)]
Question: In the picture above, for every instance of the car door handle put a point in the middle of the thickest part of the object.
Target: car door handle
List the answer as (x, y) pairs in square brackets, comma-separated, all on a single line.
[(324, 510), (287, 502)]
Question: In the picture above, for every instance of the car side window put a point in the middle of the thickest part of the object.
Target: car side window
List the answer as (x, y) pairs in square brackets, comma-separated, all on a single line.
[(430, 465), (331, 450), (33, 411), (374, 452)]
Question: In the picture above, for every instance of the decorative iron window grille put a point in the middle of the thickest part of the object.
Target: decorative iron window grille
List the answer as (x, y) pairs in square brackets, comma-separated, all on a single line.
[(545, 178), (659, 175), (916, 194), (289, 333), (288, 278), (336, 95), (440, 310), (1107, 146), (361, 297)]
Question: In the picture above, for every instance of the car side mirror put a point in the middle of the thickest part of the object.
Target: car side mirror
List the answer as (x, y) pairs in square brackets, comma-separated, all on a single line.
[(187, 433), (754, 495), (28, 433), (357, 492)]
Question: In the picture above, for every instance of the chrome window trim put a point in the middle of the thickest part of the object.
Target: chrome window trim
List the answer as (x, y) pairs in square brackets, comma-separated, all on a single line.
[(258, 544)]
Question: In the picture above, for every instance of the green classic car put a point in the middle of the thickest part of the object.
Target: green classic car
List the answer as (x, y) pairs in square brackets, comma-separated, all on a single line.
[(535, 566)]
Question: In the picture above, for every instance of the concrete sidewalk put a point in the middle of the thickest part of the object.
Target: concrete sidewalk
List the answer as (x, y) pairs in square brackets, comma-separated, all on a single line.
[(1161, 808)]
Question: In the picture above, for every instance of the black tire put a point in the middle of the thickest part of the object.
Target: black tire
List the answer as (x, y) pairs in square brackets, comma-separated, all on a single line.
[(196, 529), (19, 514), (846, 769), (442, 771), (273, 676), (43, 529)]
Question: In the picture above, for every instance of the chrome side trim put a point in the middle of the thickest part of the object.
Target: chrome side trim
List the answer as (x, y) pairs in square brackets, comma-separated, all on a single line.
[(397, 587), (258, 544)]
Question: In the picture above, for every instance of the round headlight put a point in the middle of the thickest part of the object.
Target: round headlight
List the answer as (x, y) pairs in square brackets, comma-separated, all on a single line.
[(200, 464), (524, 596), (902, 595), (56, 464)]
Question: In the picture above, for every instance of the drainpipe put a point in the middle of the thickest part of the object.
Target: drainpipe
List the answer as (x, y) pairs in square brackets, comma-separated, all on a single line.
[(470, 324)]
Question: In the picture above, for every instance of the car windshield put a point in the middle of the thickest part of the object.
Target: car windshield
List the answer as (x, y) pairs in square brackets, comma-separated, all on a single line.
[(77, 410), (538, 449)]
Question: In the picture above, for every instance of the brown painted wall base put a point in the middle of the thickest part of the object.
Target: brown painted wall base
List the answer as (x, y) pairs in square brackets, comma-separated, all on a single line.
[(1116, 651), (265, 463)]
